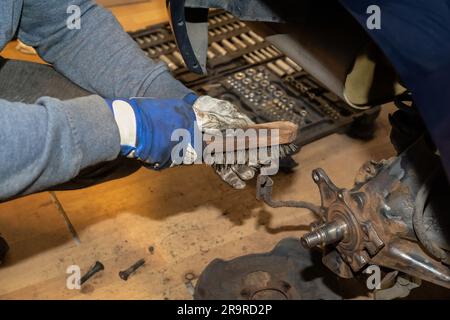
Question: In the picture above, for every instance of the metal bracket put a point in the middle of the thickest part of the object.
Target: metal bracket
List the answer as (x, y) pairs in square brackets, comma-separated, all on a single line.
[(400, 289)]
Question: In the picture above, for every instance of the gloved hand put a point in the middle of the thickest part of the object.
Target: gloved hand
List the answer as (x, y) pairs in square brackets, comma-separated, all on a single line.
[(146, 126)]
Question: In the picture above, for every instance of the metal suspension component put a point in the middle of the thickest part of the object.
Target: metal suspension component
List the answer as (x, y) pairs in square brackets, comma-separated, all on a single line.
[(326, 234), (373, 223)]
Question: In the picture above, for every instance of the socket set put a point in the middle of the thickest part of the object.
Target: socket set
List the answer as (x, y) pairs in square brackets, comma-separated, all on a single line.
[(257, 77)]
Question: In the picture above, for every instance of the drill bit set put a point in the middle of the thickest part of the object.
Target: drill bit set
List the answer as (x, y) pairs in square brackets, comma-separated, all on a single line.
[(254, 75)]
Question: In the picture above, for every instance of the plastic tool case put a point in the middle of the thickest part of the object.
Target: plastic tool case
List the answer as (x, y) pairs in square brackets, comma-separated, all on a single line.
[(257, 77)]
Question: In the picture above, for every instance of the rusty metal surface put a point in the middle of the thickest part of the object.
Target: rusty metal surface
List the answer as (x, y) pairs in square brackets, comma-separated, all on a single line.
[(400, 287), (378, 218), (376, 221), (288, 272)]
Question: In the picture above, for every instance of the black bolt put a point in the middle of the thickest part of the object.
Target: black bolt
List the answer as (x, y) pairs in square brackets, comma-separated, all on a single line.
[(128, 272), (98, 266)]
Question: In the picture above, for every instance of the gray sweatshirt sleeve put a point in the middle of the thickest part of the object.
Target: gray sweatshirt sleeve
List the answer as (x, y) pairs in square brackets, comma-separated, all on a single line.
[(99, 56), (49, 142)]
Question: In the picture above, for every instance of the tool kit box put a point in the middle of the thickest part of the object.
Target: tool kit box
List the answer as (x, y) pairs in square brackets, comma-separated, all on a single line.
[(248, 71)]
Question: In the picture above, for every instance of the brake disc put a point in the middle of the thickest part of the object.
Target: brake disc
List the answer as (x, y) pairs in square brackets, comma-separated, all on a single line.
[(288, 272)]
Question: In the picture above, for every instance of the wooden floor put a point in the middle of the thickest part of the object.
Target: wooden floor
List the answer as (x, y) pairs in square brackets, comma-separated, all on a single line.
[(186, 214)]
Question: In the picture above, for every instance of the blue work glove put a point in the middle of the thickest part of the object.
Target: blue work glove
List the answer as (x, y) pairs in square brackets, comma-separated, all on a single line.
[(146, 126)]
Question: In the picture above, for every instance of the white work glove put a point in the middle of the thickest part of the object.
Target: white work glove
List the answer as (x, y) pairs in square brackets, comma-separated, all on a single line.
[(218, 114)]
